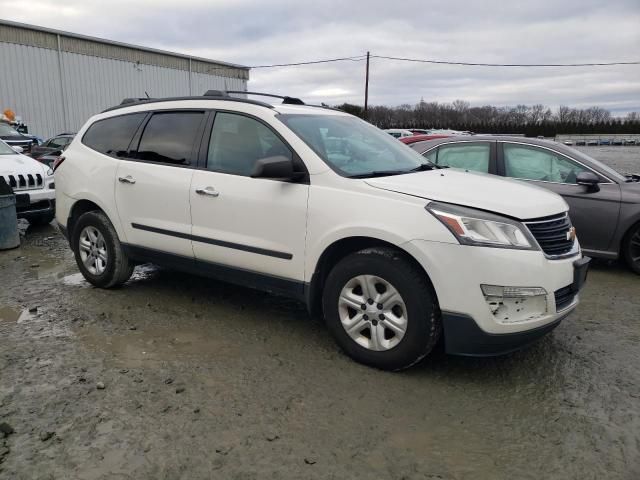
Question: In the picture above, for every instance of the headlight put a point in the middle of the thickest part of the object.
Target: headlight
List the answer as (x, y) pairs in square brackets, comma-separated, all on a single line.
[(475, 227), (49, 172)]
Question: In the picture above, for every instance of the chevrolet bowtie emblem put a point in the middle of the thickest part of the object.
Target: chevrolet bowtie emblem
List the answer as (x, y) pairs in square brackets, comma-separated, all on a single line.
[(571, 234)]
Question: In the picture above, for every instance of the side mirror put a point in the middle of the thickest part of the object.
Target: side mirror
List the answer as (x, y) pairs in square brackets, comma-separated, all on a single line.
[(276, 168), (18, 149), (589, 180)]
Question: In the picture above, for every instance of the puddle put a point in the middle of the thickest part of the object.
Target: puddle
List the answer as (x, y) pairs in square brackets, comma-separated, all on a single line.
[(10, 314), (75, 279), (141, 272)]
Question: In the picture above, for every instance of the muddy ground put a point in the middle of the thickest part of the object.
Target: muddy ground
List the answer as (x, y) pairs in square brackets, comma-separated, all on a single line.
[(179, 377)]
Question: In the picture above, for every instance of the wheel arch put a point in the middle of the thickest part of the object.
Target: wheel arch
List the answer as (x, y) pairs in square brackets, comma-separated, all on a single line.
[(338, 250), (79, 208)]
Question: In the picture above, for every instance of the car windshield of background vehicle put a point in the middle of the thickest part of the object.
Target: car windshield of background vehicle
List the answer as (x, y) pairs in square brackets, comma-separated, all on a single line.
[(353, 147), (7, 131), (6, 149)]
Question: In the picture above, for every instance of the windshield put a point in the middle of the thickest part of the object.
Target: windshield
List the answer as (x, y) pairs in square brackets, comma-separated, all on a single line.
[(6, 131), (353, 147), (6, 149), (607, 170)]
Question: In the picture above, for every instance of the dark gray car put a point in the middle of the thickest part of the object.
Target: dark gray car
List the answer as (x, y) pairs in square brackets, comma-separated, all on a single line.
[(604, 205)]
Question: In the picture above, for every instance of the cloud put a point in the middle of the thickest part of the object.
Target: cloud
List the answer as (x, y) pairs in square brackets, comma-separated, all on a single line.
[(254, 32)]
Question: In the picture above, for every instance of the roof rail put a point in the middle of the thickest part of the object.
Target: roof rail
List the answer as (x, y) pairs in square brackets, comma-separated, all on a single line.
[(285, 99), (130, 102)]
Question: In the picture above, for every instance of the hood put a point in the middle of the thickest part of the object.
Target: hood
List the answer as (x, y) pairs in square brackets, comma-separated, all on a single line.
[(513, 198), (20, 165)]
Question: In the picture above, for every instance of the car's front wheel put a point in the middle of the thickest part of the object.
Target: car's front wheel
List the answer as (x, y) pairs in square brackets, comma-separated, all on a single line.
[(381, 309), (98, 251), (631, 248)]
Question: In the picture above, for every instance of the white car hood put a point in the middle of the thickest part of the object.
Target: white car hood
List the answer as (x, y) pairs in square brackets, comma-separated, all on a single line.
[(509, 197), (20, 165)]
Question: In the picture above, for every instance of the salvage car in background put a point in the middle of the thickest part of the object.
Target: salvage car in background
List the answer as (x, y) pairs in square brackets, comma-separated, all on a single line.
[(32, 183), (13, 138), (604, 205), (54, 144)]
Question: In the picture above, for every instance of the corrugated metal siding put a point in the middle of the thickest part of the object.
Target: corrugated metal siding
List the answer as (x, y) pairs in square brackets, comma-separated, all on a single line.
[(30, 85), (38, 37)]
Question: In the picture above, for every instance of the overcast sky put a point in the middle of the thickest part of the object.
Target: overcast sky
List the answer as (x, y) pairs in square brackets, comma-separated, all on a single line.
[(254, 32)]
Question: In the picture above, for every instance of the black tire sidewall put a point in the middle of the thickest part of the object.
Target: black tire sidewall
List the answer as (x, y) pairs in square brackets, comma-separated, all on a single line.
[(97, 221), (422, 312), (635, 266)]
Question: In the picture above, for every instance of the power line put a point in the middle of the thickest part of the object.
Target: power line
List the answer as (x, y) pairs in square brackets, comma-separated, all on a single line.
[(353, 59), (360, 58), (479, 64)]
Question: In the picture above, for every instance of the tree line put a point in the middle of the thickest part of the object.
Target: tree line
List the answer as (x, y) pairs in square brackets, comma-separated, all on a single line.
[(530, 120)]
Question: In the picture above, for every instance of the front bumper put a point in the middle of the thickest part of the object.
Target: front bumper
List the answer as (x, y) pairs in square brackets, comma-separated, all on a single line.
[(457, 273), (34, 203), (463, 336)]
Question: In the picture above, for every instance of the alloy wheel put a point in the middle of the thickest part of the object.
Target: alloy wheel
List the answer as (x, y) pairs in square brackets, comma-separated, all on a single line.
[(93, 250)]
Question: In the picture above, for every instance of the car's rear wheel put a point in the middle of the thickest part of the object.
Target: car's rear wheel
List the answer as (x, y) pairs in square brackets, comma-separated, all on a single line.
[(381, 309), (631, 248), (98, 251)]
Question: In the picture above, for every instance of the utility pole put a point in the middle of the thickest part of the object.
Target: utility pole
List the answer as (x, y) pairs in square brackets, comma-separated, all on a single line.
[(366, 89)]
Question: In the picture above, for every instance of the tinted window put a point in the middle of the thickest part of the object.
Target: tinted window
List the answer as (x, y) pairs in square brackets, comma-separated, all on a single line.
[(522, 161), (470, 156), (113, 135), (58, 142), (170, 137), (238, 141)]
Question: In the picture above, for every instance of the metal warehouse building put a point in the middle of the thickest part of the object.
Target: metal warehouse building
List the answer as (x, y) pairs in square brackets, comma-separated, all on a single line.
[(56, 80)]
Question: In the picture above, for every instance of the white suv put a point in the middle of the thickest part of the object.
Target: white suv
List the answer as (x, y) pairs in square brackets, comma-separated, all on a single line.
[(319, 205), (32, 183)]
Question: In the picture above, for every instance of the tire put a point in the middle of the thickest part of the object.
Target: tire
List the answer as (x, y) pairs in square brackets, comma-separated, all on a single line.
[(415, 309), (43, 219), (114, 267), (631, 248)]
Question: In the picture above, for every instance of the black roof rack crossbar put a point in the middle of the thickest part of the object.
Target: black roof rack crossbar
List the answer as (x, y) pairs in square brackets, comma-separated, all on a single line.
[(285, 99)]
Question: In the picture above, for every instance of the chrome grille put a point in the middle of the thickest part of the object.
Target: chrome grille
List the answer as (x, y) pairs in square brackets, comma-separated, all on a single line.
[(552, 234), (24, 182)]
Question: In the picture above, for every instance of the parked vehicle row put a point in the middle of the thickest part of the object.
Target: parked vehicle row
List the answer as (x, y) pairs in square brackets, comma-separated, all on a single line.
[(395, 252), (604, 205)]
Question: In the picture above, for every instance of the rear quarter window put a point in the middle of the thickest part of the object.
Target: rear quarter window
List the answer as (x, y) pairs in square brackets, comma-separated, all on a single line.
[(112, 136)]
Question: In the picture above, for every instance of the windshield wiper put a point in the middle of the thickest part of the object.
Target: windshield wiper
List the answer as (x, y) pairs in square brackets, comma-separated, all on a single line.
[(385, 173), (633, 177), (379, 173), (424, 167)]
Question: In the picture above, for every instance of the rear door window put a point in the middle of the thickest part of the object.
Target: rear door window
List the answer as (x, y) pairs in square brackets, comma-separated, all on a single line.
[(468, 156), (170, 138), (112, 136)]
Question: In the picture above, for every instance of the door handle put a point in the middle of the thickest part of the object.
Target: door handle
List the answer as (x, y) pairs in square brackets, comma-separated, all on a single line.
[(128, 179), (210, 191)]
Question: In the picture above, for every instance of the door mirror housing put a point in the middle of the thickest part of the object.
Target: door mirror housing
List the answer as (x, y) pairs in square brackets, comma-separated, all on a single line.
[(589, 180), (275, 168), (18, 149)]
